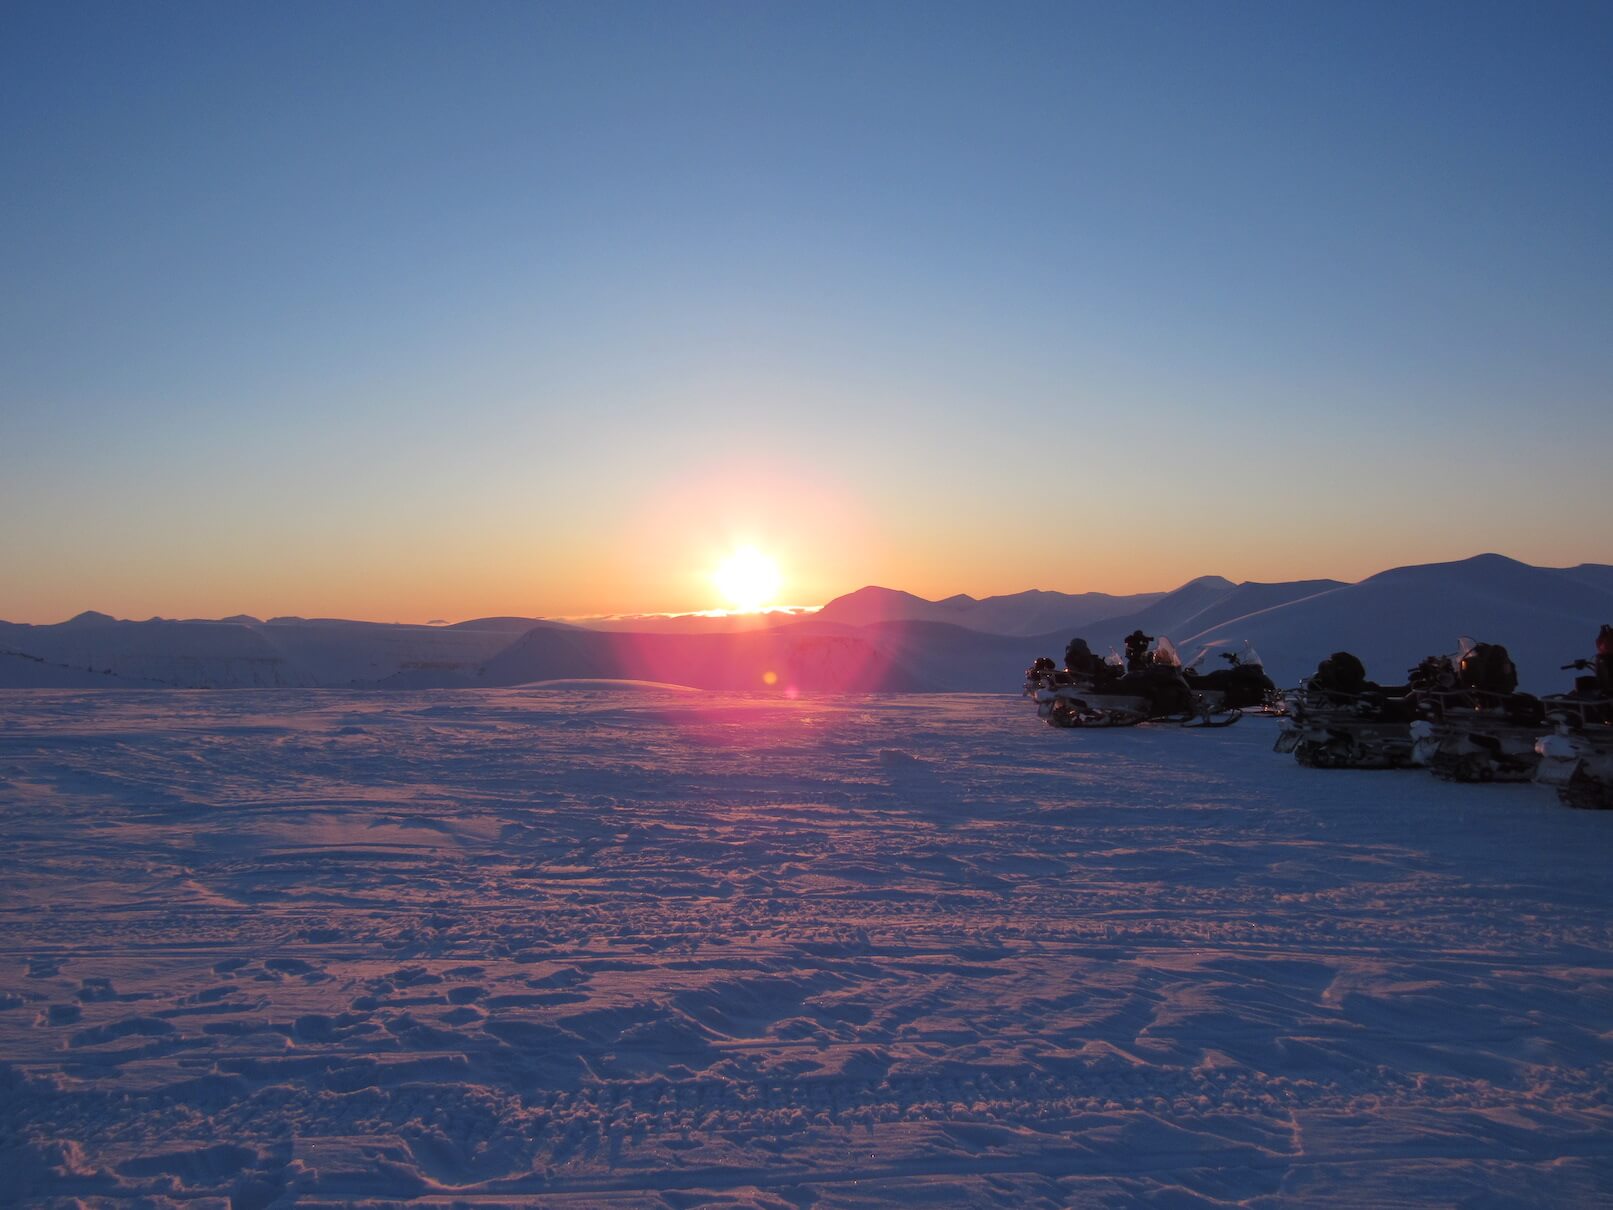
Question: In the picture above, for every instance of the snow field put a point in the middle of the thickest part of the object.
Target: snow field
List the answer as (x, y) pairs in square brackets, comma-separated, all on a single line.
[(664, 948)]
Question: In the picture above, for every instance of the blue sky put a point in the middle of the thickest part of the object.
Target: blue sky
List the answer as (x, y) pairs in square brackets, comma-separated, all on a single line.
[(436, 310)]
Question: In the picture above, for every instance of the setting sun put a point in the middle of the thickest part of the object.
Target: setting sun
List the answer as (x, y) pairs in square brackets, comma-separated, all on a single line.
[(748, 580)]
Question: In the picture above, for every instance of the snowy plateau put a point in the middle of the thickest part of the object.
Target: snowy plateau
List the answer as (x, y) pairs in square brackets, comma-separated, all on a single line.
[(642, 946)]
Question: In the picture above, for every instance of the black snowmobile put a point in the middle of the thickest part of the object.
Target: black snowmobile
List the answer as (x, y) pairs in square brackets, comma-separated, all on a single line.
[(1340, 720), (1476, 726), (1242, 684), (1577, 755), (1094, 692)]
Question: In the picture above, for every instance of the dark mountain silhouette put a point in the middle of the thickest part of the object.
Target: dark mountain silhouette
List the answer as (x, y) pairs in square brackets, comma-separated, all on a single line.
[(1022, 613), (1545, 616)]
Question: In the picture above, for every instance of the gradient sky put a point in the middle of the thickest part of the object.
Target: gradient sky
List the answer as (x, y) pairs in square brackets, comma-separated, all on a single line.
[(411, 311)]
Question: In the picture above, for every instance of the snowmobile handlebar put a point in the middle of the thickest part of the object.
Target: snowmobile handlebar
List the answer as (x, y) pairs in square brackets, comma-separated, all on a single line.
[(1582, 665)]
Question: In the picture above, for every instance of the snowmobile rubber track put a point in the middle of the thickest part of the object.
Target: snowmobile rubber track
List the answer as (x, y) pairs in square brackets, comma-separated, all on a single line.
[(1586, 794), (1090, 719), (1219, 718), (1468, 768), (1315, 755)]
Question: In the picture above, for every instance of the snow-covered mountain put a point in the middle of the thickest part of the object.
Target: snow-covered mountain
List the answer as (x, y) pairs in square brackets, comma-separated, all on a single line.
[(1022, 613), (19, 671), (1200, 604), (1545, 617), (1100, 617), (244, 653)]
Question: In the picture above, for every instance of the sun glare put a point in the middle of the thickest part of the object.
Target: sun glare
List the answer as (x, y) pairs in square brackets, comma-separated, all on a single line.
[(748, 580)]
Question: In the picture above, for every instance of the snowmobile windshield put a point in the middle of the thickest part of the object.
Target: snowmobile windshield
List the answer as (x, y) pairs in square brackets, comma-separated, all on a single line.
[(1165, 653), (1114, 661), (1223, 653)]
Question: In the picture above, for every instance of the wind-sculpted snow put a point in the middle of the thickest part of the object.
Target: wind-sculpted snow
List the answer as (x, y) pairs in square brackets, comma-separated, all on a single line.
[(647, 947)]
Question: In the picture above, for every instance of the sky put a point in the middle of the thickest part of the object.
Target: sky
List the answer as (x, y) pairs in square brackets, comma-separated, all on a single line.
[(404, 311)]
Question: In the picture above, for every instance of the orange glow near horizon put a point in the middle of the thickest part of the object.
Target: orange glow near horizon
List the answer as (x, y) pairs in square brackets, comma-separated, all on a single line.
[(664, 548)]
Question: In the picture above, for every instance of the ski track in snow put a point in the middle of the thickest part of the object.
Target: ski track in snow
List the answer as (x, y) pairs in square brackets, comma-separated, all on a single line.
[(580, 947)]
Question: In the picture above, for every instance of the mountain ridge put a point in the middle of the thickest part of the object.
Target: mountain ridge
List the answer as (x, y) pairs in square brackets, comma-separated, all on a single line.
[(1545, 616)]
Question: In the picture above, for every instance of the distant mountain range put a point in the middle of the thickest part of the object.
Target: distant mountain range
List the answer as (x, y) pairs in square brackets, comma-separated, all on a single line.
[(871, 640), (1023, 613), (1544, 616)]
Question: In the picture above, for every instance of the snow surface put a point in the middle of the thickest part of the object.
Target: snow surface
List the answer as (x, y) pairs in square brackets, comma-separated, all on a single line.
[(645, 947)]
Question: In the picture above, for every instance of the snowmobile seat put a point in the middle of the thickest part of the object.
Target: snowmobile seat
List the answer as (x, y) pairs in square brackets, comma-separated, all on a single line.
[(1243, 684), (1341, 672), (1081, 660), (1524, 709), (1396, 705), (1162, 685), (1490, 668)]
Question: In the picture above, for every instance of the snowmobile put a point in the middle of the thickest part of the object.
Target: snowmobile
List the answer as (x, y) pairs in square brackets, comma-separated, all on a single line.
[(1148, 687), (1475, 726), (1577, 755), (1242, 684), (1339, 719)]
